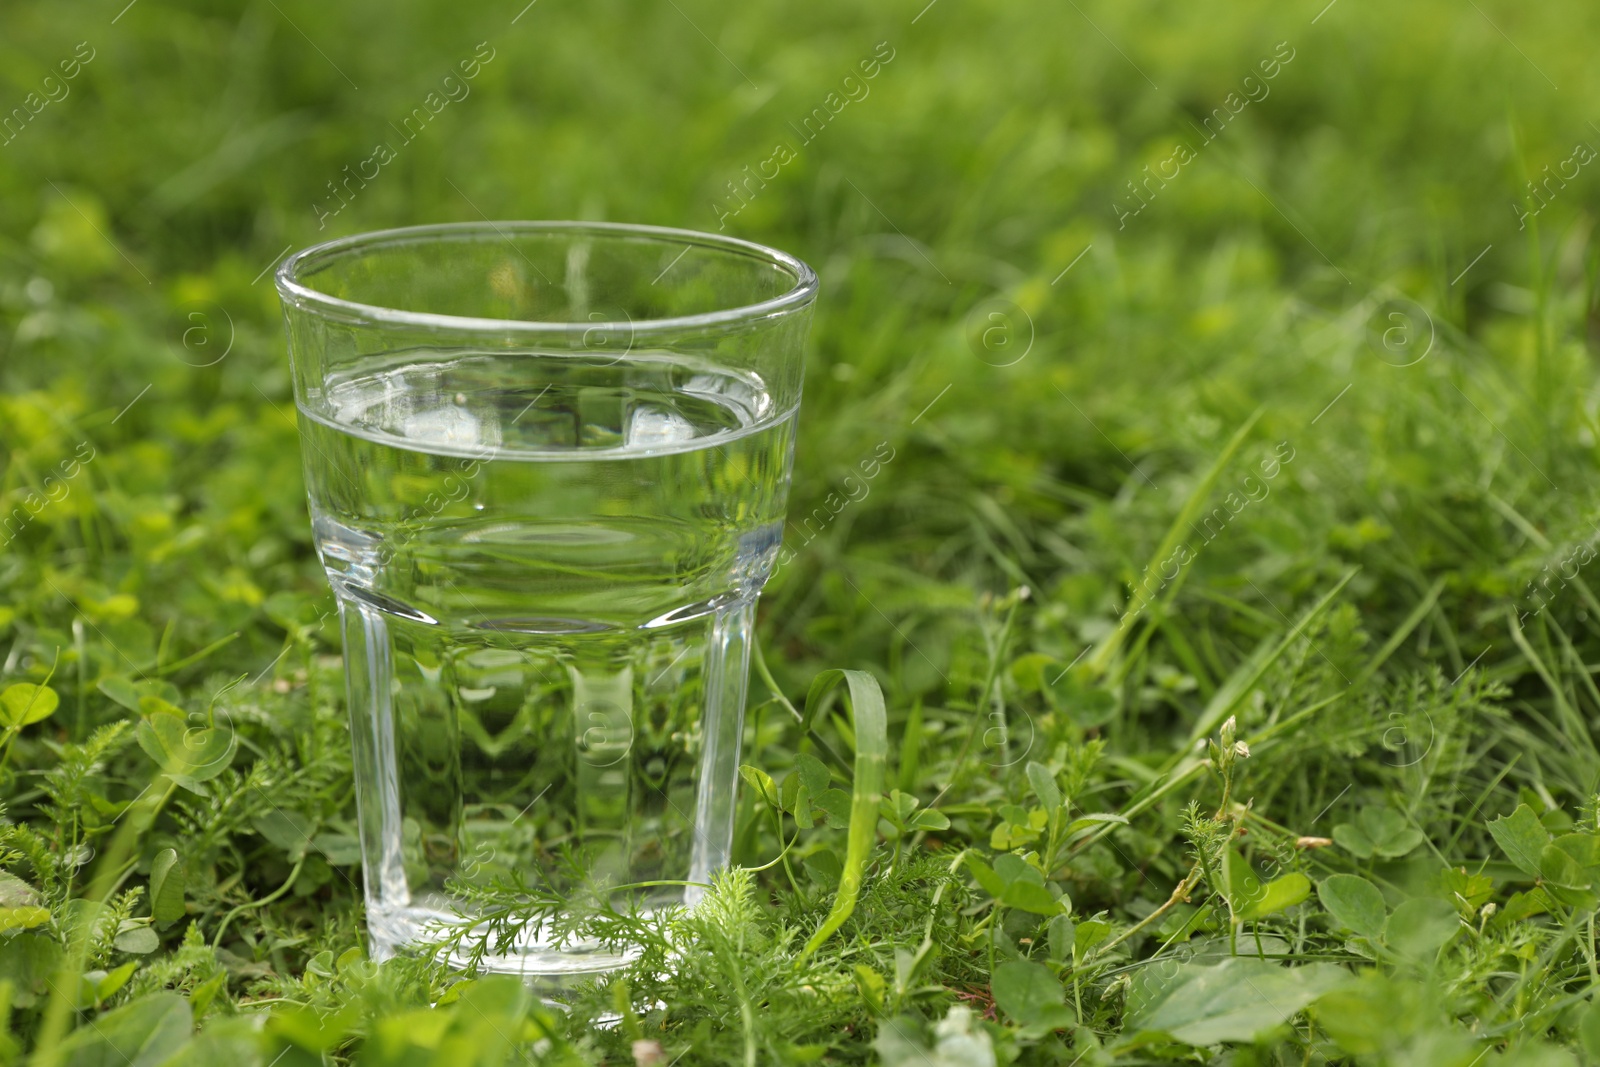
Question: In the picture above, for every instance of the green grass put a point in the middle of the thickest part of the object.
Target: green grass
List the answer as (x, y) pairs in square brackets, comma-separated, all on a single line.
[(1312, 778)]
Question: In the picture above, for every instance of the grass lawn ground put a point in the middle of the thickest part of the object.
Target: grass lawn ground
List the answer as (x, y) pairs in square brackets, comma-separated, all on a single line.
[(1228, 375)]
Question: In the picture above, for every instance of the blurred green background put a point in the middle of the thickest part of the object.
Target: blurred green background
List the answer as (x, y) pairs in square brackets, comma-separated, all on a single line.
[(141, 212)]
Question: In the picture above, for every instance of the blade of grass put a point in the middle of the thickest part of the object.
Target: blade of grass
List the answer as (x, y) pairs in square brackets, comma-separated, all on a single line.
[(806, 726), (1179, 643), (911, 750), (872, 750), (1403, 631), (113, 865), (1239, 684), (1100, 659), (1572, 723)]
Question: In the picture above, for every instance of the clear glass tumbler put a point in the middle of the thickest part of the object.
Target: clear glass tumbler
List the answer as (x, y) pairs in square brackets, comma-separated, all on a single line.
[(547, 465)]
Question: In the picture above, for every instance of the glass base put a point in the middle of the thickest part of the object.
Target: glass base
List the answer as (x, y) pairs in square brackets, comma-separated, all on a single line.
[(404, 931)]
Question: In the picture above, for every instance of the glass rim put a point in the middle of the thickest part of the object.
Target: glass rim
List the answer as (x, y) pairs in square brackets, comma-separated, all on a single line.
[(292, 290)]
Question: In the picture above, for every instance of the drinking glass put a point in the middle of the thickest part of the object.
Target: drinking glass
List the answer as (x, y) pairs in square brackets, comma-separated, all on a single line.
[(547, 465)]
